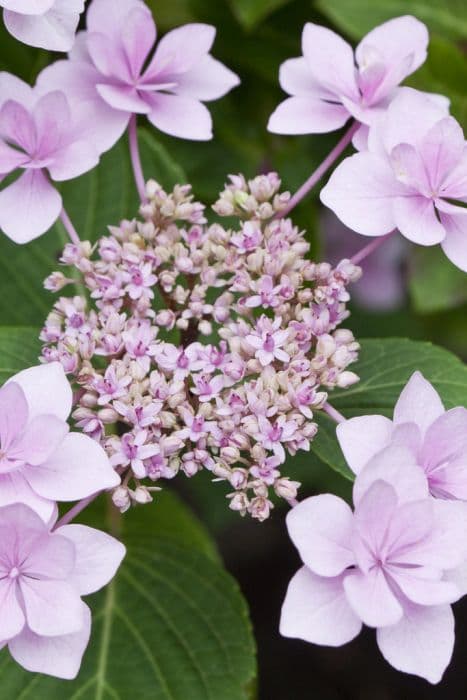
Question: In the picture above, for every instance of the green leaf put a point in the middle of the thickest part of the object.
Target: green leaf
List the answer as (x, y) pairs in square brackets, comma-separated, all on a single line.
[(19, 348), (102, 197), (171, 626), (384, 367), (251, 12), (357, 17), (435, 283)]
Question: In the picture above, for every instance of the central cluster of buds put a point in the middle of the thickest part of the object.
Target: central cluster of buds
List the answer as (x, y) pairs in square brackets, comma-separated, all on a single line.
[(201, 346)]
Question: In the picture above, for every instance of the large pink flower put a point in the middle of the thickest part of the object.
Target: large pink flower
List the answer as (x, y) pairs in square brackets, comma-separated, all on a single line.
[(40, 460), (412, 178), (436, 438), (48, 24), (43, 575), (327, 88), (38, 135), (108, 77), (394, 564)]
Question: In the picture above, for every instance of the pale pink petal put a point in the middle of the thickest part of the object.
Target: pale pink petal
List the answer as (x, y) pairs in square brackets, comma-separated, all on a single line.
[(29, 207), (53, 557), (180, 50), (28, 7), (418, 403), (41, 437), (12, 88), (416, 219), (208, 80), (454, 184), (373, 516), (12, 619), (55, 656), (73, 160), (455, 243), (47, 390), (77, 469), (52, 608), (13, 413), (362, 437), (421, 643), (458, 576), (94, 119), (15, 489), (424, 591), (108, 56), (306, 115), (398, 466), (446, 444), (138, 37), (110, 15), (180, 116), (399, 124), (54, 30), (321, 529), (17, 126), (10, 158), (123, 97), (315, 609), (395, 39), (98, 557), (371, 598), (361, 193), (441, 150), (410, 169), (330, 60), (296, 79)]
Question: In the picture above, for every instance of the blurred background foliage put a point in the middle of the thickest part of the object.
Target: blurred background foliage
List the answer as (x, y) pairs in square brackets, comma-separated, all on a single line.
[(253, 38)]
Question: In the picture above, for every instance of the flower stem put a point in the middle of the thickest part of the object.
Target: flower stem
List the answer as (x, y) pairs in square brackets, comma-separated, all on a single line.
[(369, 248), (317, 174), (136, 159), (332, 413), (70, 229), (76, 510)]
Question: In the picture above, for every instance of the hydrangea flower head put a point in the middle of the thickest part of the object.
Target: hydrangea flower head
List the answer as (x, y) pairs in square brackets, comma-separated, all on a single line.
[(235, 404), (40, 460), (43, 575), (38, 135), (110, 74), (412, 178), (436, 438), (48, 24), (393, 564), (329, 85)]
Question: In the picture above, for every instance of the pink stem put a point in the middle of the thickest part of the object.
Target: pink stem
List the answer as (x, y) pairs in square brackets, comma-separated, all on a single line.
[(136, 159), (332, 413), (369, 248), (70, 229), (317, 174), (76, 510)]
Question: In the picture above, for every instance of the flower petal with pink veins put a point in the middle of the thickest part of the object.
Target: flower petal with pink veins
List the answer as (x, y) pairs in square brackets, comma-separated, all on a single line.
[(306, 114), (77, 469), (29, 207), (12, 617), (208, 80), (47, 390), (13, 413), (371, 598), (330, 60), (56, 656), (455, 243), (421, 643), (419, 403), (416, 219), (41, 437), (52, 607), (98, 557), (15, 489), (54, 30), (52, 556), (296, 79), (316, 610), (180, 50), (321, 529), (362, 437)]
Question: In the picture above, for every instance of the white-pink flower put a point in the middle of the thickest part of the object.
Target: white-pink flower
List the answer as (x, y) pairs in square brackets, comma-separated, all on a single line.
[(40, 460), (267, 341), (111, 73), (395, 564), (43, 575), (328, 85), (47, 24), (436, 438)]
